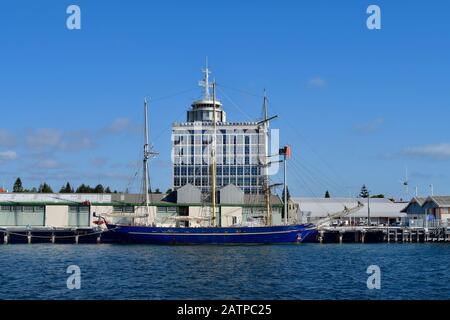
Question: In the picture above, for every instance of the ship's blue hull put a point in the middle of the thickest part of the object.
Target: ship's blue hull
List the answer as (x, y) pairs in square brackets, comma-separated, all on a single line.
[(209, 235)]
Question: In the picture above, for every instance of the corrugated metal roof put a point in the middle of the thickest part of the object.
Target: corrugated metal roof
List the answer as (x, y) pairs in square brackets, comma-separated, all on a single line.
[(55, 197), (322, 207), (155, 198), (258, 199), (116, 198), (441, 201), (419, 200), (139, 199)]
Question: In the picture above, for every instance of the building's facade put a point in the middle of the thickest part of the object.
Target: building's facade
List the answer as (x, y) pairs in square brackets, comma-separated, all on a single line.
[(415, 213), (50, 210), (437, 210), (240, 148), (432, 211), (183, 207)]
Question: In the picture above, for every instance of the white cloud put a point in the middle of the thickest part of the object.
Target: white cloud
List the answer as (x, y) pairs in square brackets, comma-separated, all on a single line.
[(76, 141), (317, 82), (440, 151), (7, 139), (46, 138), (369, 127), (43, 138), (8, 155), (48, 164), (120, 125), (99, 161)]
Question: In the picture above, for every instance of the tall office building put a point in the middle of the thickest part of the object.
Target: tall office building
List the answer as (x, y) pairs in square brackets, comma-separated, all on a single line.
[(240, 147)]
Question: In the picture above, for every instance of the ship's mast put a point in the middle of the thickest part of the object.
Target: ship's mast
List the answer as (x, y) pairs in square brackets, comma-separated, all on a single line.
[(266, 185), (213, 155), (146, 156)]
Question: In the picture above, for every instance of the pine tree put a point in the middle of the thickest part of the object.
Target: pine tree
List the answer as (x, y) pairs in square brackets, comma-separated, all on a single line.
[(66, 189), (364, 192), (45, 188), (327, 194), (83, 189), (108, 190), (18, 186), (99, 189)]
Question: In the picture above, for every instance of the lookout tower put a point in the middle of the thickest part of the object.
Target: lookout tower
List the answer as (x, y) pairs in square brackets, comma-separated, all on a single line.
[(202, 110)]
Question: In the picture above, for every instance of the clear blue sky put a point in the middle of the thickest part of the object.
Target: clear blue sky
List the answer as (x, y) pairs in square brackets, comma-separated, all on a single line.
[(357, 105)]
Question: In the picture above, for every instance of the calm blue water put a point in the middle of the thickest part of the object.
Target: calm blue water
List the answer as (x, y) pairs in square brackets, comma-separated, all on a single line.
[(307, 271)]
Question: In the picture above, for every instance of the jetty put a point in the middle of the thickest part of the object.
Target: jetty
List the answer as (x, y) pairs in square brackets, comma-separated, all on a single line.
[(54, 235), (383, 234)]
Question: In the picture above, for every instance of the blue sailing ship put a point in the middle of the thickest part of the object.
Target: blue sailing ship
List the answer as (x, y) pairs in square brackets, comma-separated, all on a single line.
[(145, 229)]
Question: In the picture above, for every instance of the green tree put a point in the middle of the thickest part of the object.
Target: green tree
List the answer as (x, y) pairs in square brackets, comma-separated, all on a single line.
[(45, 188), (327, 194), (18, 187), (66, 189), (99, 189), (84, 189), (157, 191), (379, 196), (364, 192), (108, 190), (168, 191)]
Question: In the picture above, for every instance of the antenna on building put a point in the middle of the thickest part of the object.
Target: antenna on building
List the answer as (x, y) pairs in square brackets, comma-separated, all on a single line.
[(432, 189), (265, 105), (205, 82), (405, 183)]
